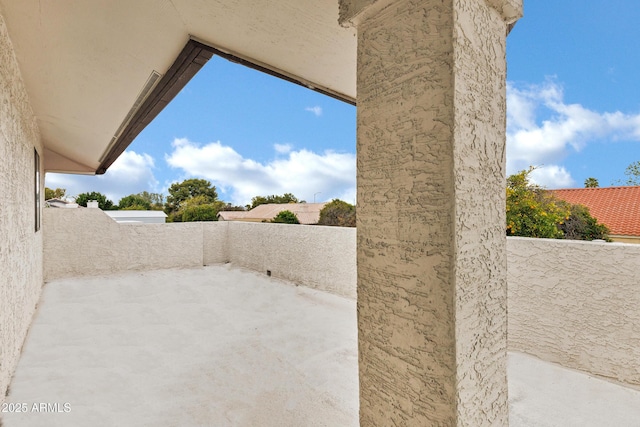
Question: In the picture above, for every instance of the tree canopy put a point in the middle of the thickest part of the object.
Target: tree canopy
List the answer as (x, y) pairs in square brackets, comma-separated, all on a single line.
[(202, 212), (591, 183), (263, 200), (534, 212), (338, 213), (156, 200), (58, 193), (103, 203), (531, 212), (286, 217), (230, 207), (633, 174), (192, 192), (582, 226), (134, 202)]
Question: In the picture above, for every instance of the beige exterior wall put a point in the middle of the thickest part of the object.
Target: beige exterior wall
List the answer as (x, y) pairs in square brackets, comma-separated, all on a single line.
[(569, 302), (216, 242), (80, 242), (576, 304), (20, 244), (479, 162), (432, 291), (315, 256), (625, 239)]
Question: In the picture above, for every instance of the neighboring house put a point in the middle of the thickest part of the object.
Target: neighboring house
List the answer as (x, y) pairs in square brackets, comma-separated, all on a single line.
[(616, 207), (146, 217), (307, 213)]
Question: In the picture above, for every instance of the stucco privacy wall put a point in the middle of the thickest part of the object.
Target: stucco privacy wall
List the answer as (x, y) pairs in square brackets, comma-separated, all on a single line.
[(215, 242), (20, 244), (81, 242), (319, 257), (573, 303), (576, 304)]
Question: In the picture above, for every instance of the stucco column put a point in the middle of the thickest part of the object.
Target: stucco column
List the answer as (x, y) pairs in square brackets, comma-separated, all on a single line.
[(432, 294)]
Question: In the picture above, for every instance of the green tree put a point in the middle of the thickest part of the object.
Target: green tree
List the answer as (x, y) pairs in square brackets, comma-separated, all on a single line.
[(198, 208), (531, 211), (263, 200), (286, 217), (188, 189), (103, 203), (202, 212), (338, 213), (591, 183), (534, 212), (156, 200), (582, 226), (58, 193), (174, 216), (632, 173), (134, 202), (230, 207)]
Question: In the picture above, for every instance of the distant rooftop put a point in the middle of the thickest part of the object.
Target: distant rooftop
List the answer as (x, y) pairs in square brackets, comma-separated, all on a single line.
[(616, 207), (307, 213), (136, 214)]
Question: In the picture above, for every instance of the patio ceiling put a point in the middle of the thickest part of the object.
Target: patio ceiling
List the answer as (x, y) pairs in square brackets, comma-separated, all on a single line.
[(85, 63)]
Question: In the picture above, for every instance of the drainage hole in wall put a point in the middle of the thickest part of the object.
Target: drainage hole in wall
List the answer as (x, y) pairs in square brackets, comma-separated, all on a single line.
[(269, 273)]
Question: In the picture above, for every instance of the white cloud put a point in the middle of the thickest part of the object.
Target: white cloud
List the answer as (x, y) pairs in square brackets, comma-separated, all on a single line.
[(282, 148), (317, 110), (130, 173), (552, 176), (542, 130), (301, 172)]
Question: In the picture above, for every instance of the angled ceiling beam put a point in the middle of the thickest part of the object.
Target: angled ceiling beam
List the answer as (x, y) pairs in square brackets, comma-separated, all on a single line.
[(193, 57), (189, 62)]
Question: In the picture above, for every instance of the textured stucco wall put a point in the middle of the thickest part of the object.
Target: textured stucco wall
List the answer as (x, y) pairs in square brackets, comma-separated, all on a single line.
[(577, 304), (216, 242), (79, 242), (431, 263), (20, 245), (479, 182), (315, 256), (405, 258), (573, 303)]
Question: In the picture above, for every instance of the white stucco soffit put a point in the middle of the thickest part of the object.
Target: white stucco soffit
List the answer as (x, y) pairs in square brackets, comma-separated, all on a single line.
[(85, 63)]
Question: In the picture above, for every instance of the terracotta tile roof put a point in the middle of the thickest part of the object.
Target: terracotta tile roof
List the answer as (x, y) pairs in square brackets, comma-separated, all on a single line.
[(307, 213), (616, 207)]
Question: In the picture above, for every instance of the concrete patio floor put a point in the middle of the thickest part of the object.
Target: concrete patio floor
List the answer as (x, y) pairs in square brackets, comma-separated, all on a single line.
[(219, 346)]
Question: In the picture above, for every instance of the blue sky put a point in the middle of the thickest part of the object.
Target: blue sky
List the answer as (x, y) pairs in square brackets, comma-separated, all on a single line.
[(573, 106)]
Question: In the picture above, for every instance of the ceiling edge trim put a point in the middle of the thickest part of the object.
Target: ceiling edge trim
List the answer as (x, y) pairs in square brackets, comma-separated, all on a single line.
[(281, 74), (190, 60)]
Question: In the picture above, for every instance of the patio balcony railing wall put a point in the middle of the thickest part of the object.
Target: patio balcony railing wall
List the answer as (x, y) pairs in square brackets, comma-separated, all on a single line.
[(569, 302)]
